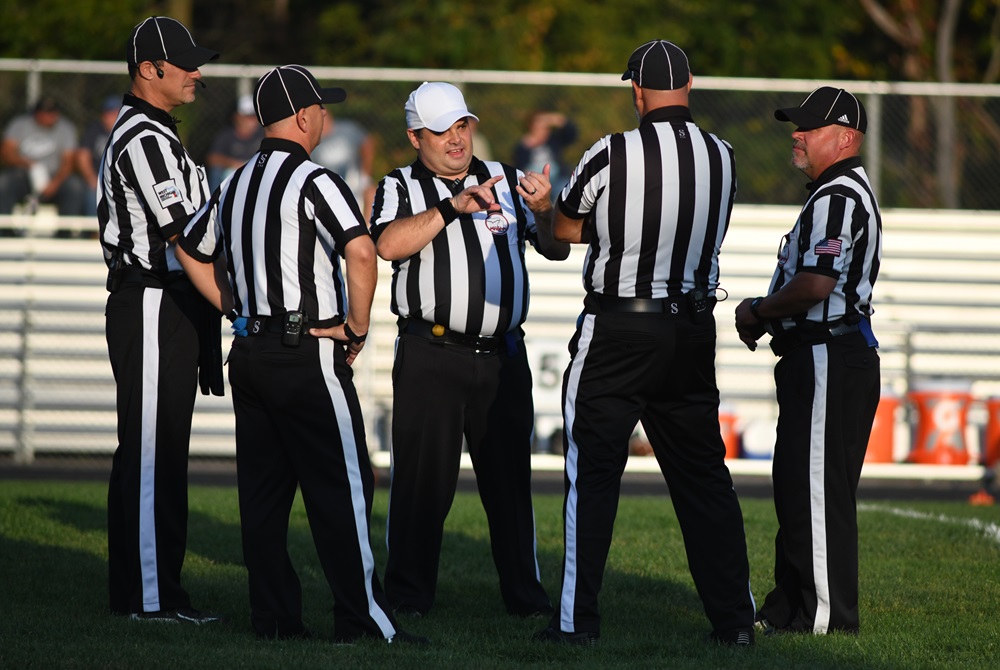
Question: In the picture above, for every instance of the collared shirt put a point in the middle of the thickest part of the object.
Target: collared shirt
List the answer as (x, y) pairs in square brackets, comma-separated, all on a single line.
[(283, 222), (838, 234), (656, 203), (148, 187), (471, 277)]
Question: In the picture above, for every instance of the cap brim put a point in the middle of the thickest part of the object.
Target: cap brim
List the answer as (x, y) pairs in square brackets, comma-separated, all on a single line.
[(446, 121), (627, 75), (801, 118), (330, 96), (193, 58)]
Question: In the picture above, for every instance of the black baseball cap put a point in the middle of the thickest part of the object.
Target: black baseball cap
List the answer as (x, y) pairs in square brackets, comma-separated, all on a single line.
[(164, 38), (659, 65), (826, 106), (285, 90)]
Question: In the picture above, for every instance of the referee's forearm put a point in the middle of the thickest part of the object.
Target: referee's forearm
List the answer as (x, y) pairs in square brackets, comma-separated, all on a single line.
[(361, 277)]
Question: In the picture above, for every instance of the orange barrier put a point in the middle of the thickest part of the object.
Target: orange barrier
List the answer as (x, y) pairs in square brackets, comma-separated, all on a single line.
[(991, 441), (727, 425), (942, 419), (881, 442)]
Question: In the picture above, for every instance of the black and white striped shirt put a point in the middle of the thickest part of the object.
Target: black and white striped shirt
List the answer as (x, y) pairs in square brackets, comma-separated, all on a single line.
[(283, 222), (148, 187), (471, 278), (838, 234), (656, 202)]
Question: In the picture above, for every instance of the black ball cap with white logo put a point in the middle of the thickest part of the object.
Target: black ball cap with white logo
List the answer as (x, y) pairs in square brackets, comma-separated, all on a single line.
[(164, 38), (826, 106), (285, 90)]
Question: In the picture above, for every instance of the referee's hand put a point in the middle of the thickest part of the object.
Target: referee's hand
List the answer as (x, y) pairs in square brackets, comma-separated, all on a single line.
[(477, 198), (352, 348), (536, 189), (749, 328)]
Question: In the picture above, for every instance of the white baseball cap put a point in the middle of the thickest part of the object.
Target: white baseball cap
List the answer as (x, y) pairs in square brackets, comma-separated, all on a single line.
[(244, 106), (436, 105)]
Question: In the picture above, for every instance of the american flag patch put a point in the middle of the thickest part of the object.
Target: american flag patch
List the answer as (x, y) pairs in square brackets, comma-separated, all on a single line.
[(831, 247)]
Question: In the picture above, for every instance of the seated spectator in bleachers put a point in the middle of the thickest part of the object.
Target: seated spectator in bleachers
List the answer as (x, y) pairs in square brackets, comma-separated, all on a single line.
[(349, 150), (38, 154), (235, 144), (88, 156)]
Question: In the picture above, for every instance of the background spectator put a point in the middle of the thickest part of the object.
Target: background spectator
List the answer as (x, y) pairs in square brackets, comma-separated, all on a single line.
[(547, 135), (234, 145), (38, 155), (348, 149), (88, 155)]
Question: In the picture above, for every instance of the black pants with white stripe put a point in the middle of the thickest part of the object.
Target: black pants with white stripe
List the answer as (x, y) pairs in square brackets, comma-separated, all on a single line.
[(153, 345), (659, 370), (827, 397), (299, 425), (440, 394)]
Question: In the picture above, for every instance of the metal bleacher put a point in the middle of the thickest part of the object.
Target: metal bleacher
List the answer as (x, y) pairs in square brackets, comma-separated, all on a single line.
[(937, 318)]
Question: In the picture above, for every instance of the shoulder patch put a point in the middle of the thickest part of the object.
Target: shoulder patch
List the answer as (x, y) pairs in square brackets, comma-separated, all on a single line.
[(167, 193)]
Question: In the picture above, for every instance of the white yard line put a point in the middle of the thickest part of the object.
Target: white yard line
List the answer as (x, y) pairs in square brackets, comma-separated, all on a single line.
[(988, 529)]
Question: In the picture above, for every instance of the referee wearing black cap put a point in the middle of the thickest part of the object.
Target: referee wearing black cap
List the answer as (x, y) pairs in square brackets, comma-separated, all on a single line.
[(159, 330), (818, 312), (283, 222), (654, 205), (455, 229)]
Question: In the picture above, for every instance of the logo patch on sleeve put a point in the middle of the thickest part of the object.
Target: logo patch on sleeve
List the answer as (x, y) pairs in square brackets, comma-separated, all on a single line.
[(167, 193)]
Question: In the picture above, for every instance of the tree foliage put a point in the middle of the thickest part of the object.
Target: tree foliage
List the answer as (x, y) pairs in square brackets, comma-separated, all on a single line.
[(743, 38)]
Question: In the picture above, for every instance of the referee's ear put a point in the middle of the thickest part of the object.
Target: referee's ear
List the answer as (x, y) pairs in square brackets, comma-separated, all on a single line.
[(301, 121)]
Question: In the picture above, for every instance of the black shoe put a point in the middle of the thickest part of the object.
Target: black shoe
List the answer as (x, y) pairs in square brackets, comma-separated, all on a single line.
[(739, 637), (556, 636), (402, 637), (182, 615)]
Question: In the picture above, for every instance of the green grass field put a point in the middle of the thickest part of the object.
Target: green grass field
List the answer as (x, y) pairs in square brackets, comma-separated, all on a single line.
[(930, 593)]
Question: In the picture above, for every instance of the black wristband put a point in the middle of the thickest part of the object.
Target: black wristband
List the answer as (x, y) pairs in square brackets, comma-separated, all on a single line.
[(447, 210), (352, 336), (233, 315), (755, 306)]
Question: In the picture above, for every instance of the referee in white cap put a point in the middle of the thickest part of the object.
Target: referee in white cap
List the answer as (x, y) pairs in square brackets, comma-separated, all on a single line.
[(283, 223), (455, 229)]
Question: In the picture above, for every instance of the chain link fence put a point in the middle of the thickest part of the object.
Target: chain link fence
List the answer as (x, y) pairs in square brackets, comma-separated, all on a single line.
[(57, 394), (928, 145)]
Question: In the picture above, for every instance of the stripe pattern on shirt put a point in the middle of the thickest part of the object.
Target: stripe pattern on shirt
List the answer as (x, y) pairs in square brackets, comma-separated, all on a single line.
[(148, 187), (284, 222), (656, 201), (839, 234), (470, 278)]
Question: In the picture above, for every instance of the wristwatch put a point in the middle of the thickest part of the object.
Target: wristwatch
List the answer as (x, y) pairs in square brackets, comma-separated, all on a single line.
[(755, 307)]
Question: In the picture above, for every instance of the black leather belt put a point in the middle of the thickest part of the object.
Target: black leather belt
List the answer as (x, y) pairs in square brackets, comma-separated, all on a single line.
[(597, 303), (275, 325), (480, 344), (787, 340)]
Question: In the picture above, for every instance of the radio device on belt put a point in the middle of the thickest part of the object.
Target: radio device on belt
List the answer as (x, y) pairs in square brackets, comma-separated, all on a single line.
[(699, 304), (116, 266), (292, 328)]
